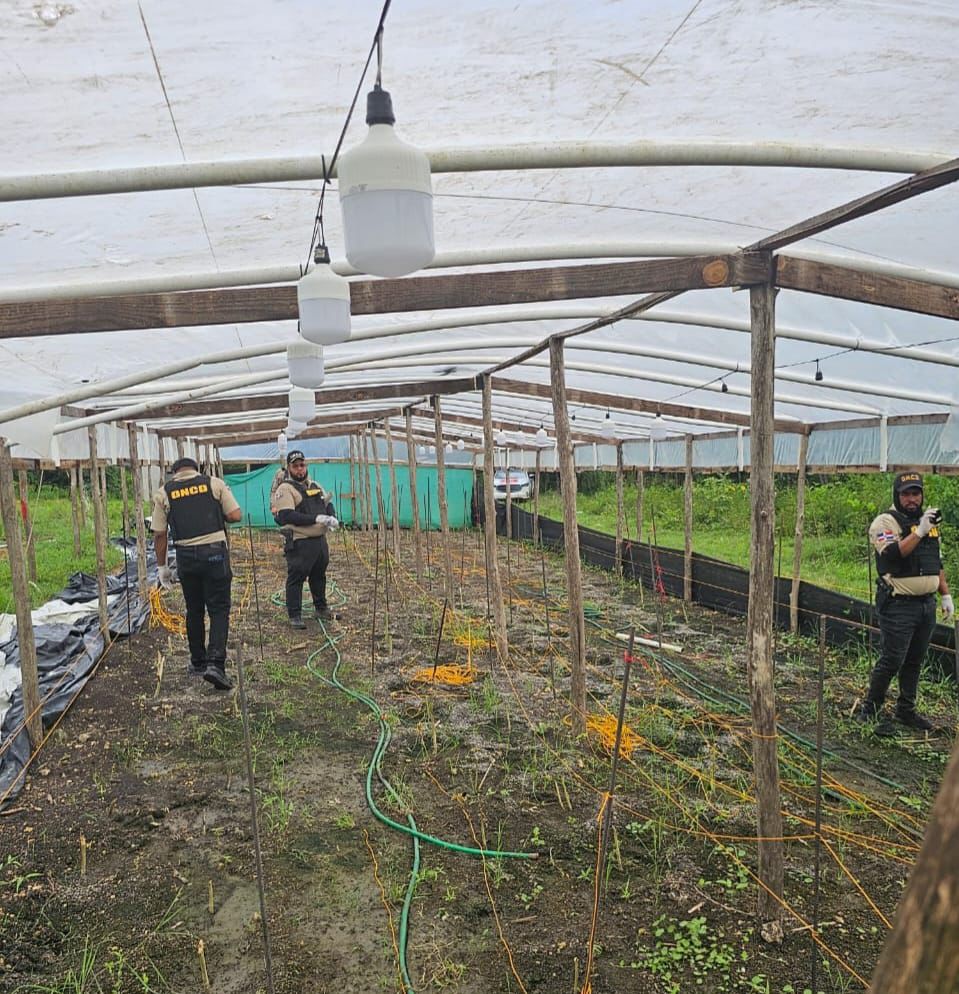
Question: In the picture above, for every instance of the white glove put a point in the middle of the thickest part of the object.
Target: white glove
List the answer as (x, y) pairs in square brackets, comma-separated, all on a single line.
[(946, 606), (166, 577), (930, 518), (327, 519)]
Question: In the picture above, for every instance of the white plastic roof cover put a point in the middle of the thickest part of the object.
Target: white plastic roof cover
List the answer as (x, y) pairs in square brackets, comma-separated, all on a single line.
[(109, 84)]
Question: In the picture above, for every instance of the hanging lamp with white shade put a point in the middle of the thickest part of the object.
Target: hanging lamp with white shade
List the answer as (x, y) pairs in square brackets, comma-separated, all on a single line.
[(460, 444), (541, 437), (323, 302), (302, 404), (608, 429), (448, 447), (386, 197), (304, 361), (281, 444), (500, 438), (657, 430)]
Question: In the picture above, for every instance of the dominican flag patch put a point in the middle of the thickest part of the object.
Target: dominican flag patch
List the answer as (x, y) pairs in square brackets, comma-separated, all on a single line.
[(885, 537)]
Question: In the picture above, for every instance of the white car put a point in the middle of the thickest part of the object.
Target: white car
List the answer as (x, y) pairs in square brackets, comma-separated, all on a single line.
[(520, 485)]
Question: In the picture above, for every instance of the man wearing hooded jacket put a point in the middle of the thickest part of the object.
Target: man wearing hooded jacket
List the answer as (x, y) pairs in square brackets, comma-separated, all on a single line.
[(304, 512), (909, 574)]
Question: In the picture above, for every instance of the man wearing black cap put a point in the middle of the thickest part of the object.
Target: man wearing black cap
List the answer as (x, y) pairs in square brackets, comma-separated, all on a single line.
[(196, 508), (304, 512), (909, 574)]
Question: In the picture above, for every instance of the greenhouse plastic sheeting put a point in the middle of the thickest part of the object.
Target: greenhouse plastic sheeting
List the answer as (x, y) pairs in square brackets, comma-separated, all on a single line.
[(252, 491), (724, 587), (66, 658)]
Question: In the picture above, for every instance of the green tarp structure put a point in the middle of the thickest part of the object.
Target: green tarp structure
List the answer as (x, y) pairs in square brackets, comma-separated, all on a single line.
[(252, 490)]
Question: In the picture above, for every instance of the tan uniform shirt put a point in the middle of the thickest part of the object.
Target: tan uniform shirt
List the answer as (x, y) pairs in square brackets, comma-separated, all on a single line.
[(885, 531), (218, 490), (288, 498)]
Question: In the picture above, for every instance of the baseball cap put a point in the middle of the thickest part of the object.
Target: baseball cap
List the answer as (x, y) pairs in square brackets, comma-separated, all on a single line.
[(293, 456), (907, 481)]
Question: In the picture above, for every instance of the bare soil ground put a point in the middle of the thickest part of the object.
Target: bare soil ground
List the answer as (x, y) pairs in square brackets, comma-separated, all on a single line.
[(132, 846)]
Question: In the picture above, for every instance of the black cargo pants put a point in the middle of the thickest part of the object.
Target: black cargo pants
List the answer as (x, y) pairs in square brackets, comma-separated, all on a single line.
[(905, 628), (306, 559), (205, 576)]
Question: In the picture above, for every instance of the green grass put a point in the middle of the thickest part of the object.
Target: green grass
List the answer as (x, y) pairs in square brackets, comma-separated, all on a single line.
[(53, 541), (838, 512)]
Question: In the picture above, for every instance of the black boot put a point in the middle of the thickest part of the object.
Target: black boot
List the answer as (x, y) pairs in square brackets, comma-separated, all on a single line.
[(216, 674), (297, 622)]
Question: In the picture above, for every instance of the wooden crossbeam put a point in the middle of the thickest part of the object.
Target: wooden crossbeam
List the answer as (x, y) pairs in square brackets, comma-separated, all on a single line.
[(618, 403), (850, 284), (278, 424), (245, 305)]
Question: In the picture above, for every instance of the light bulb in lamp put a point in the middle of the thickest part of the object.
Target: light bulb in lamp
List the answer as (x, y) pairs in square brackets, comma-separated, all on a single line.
[(460, 444), (386, 197), (323, 302), (304, 360)]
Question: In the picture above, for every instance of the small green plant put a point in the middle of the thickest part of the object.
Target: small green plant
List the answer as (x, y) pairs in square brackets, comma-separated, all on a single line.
[(344, 821)]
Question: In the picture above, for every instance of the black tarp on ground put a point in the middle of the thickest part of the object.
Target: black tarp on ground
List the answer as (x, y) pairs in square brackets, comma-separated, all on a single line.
[(66, 657), (724, 587)]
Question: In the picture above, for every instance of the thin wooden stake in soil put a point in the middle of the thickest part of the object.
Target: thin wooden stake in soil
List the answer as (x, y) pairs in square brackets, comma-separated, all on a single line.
[(608, 811), (654, 578), (762, 692), (414, 504), (439, 637), (549, 634), (254, 823), (798, 537), (688, 523), (83, 855), (429, 554), (536, 479), (574, 587), (813, 947), (256, 586), (99, 520), (29, 542), (376, 583), (620, 512), (138, 517), (495, 610), (394, 497), (21, 599), (75, 510), (201, 956), (441, 497)]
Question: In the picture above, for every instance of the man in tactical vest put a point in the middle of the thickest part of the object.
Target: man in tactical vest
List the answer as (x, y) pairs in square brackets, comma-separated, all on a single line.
[(196, 509), (909, 573), (305, 514)]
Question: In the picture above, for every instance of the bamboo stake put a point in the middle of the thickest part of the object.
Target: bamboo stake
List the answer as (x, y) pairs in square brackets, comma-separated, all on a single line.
[(21, 600), (82, 497), (760, 615), (797, 542), (351, 441), (495, 595), (414, 503), (126, 521), (139, 517), (100, 537), (567, 479), (536, 476), (441, 497), (640, 494)]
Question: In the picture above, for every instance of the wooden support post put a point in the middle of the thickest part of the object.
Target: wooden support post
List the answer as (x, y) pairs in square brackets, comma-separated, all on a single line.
[(138, 515), (921, 953), (762, 693), (394, 495), (574, 588), (27, 519), (99, 517), (497, 607), (75, 510), (441, 496), (536, 476), (640, 494), (620, 510), (414, 501), (180, 449), (509, 502), (103, 487), (797, 541), (688, 523), (367, 476), (161, 446), (21, 599)]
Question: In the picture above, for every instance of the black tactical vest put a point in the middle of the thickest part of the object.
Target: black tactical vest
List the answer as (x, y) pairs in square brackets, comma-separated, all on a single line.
[(314, 500), (924, 561), (194, 510)]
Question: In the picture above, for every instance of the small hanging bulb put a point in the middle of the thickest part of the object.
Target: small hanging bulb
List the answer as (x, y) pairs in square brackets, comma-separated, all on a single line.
[(818, 372), (724, 388), (323, 303)]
